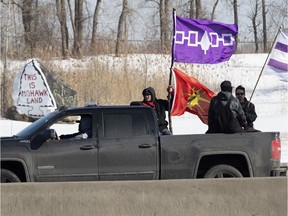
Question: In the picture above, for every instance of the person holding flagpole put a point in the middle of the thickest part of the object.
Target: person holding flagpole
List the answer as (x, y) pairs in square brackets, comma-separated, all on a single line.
[(248, 107), (159, 105)]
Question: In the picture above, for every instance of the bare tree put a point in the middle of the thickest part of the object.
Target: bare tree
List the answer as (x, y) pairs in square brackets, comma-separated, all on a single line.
[(168, 20), (235, 10), (162, 19), (253, 17), (5, 24), (27, 17), (264, 26), (71, 17), (95, 23), (234, 4), (192, 11), (61, 14), (163, 8), (30, 18), (199, 10), (164, 24), (277, 17), (79, 28), (36, 29), (121, 33), (214, 10), (196, 9)]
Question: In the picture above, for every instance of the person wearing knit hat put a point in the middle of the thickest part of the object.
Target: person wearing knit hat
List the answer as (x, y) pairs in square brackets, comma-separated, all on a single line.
[(225, 113), (226, 86)]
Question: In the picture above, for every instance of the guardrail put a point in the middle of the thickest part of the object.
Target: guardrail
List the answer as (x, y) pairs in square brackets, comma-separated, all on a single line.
[(200, 197)]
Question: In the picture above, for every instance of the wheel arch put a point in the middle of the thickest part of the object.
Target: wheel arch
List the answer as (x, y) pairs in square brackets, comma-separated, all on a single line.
[(239, 160), (18, 167)]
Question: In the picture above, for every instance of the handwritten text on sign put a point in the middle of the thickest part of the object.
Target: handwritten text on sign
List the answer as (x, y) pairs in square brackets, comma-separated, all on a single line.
[(34, 89), (34, 94)]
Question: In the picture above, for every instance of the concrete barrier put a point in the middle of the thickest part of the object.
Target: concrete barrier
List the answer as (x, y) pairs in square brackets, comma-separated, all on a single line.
[(247, 196)]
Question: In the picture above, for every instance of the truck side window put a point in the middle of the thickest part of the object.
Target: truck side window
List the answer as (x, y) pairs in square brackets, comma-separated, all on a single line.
[(76, 127), (124, 124)]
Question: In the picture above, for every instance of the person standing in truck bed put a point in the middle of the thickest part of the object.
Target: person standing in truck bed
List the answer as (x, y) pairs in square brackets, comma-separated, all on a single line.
[(247, 106), (159, 105), (225, 112)]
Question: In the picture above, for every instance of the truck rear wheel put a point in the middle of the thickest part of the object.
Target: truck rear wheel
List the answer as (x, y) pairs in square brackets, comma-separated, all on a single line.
[(223, 171), (8, 177)]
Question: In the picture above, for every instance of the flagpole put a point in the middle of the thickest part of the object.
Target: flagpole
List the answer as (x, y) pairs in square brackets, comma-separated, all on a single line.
[(264, 64), (171, 70), (173, 45)]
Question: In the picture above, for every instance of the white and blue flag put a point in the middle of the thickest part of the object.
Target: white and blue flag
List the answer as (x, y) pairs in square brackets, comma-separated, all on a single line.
[(277, 63)]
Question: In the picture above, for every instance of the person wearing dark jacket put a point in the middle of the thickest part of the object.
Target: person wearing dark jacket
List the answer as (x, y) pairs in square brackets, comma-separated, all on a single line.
[(160, 106), (84, 129), (225, 113), (248, 107)]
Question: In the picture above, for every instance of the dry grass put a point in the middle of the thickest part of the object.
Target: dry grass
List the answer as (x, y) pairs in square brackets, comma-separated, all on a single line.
[(111, 87), (99, 82)]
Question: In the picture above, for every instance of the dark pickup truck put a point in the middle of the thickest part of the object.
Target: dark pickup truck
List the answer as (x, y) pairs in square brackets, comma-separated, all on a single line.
[(125, 145)]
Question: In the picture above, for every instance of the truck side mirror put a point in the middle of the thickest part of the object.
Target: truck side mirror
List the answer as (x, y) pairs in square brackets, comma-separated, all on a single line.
[(48, 134), (43, 137)]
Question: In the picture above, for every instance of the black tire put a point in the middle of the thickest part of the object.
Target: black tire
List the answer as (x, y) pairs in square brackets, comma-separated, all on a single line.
[(8, 177), (223, 171)]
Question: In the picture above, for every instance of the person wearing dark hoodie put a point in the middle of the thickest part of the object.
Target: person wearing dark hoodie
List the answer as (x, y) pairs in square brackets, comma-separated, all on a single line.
[(159, 105), (225, 113)]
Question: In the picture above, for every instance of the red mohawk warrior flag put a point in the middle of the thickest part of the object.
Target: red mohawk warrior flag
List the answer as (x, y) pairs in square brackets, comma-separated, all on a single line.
[(190, 96)]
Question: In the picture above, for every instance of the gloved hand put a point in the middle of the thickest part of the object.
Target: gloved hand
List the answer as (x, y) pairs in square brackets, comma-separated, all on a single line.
[(170, 89), (245, 127)]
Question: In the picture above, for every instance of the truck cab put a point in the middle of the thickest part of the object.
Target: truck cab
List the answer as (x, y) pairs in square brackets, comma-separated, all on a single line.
[(123, 146)]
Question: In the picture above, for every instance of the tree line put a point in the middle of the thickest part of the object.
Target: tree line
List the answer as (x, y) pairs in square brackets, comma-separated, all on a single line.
[(73, 28)]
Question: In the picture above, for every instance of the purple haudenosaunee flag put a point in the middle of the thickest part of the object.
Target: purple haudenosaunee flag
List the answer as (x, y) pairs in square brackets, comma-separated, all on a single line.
[(203, 41), (278, 62)]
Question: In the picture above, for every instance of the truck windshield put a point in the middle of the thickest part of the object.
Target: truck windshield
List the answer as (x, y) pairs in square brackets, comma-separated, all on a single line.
[(26, 132)]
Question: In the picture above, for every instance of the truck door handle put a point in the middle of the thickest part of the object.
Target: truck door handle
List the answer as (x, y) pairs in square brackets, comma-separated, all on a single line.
[(145, 145), (87, 147)]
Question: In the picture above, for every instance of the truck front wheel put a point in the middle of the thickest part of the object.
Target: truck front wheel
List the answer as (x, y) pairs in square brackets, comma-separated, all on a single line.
[(8, 177), (223, 171)]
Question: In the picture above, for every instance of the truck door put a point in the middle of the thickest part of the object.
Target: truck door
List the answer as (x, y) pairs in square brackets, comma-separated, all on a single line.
[(67, 159), (128, 145)]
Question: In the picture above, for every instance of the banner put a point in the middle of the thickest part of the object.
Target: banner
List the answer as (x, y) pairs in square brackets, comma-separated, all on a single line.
[(278, 61), (190, 96), (202, 41), (31, 92)]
